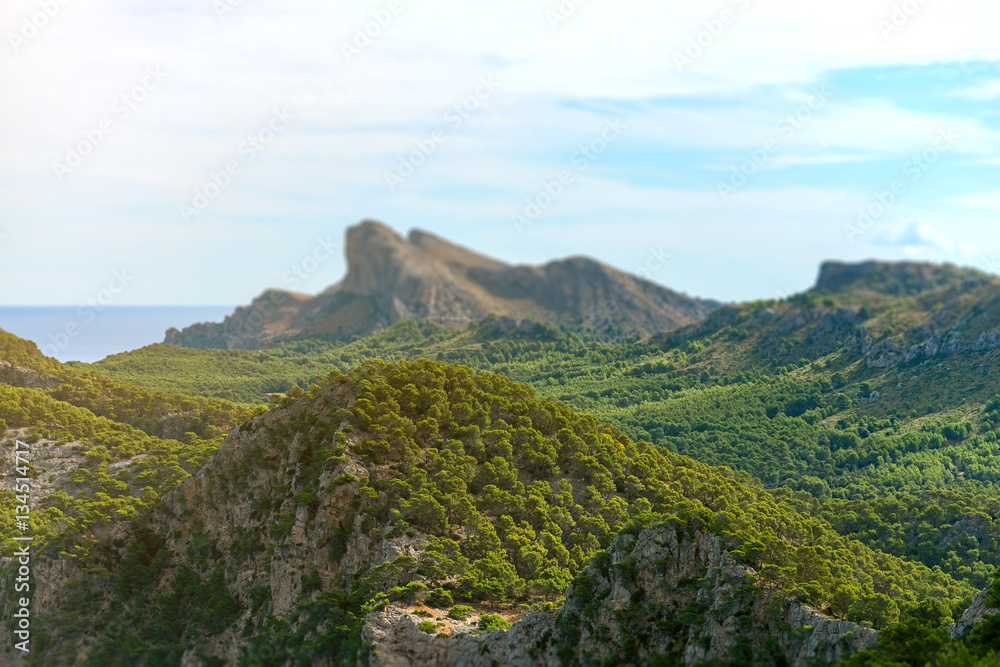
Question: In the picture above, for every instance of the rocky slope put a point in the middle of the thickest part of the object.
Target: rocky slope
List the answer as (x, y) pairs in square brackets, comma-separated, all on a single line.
[(663, 592), (888, 313), (391, 278), (220, 520)]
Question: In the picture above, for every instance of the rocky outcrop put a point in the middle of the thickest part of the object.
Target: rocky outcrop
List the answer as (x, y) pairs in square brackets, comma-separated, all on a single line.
[(940, 344), (397, 640), (987, 341), (16, 376), (661, 592), (895, 277), (390, 278), (269, 319), (976, 612), (880, 354)]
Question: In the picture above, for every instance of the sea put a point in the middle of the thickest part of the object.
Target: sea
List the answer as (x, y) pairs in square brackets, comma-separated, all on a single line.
[(71, 333)]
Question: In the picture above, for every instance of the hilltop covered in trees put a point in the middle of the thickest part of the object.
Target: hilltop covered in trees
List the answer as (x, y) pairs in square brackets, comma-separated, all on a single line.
[(510, 494)]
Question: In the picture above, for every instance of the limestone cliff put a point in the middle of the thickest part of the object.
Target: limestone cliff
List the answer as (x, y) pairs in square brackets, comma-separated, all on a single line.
[(663, 592), (390, 278), (976, 612)]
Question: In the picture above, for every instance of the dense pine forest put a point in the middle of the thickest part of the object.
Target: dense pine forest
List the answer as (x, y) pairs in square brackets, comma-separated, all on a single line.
[(841, 444)]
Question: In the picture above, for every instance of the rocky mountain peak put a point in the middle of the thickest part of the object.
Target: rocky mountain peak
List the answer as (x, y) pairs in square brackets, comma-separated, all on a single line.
[(423, 276), (378, 257)]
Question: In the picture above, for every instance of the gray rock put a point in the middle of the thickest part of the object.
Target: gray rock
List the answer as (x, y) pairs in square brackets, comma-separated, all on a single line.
[(987, 341), (397, 640), (976, 612), (642, 584)]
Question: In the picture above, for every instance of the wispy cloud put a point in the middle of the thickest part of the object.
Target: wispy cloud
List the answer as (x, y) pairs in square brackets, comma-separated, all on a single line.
[(355, 118), (919, 236)]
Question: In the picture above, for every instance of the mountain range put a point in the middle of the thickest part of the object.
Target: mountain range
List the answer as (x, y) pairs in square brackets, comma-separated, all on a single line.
[(803, 481), (390, 278)]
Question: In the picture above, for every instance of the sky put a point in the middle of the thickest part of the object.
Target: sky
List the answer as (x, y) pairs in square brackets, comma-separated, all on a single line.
[(192, 152)]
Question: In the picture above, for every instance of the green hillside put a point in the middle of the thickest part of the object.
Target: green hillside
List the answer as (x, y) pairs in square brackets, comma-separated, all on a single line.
[(842, 441), (102, 451), (515, 495), (774, 389)]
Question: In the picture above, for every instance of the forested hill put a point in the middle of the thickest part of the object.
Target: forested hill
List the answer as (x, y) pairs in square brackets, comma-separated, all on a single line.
[(107, 449), (444, 491), (780, 389), (868, 404), (158, 413)]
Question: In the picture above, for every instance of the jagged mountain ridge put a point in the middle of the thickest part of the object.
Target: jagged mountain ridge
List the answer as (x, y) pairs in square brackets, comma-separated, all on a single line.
[(390, 278)]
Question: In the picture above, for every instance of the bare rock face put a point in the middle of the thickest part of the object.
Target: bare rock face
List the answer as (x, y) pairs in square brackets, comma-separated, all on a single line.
[(976, 612), (16, 376), (661, 592), (881, 354), (397, 640), (391, 278)]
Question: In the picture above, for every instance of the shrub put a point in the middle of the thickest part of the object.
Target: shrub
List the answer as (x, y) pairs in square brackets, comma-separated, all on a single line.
[(489, 622), (282, 526), (460, 612), (440, 598)]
